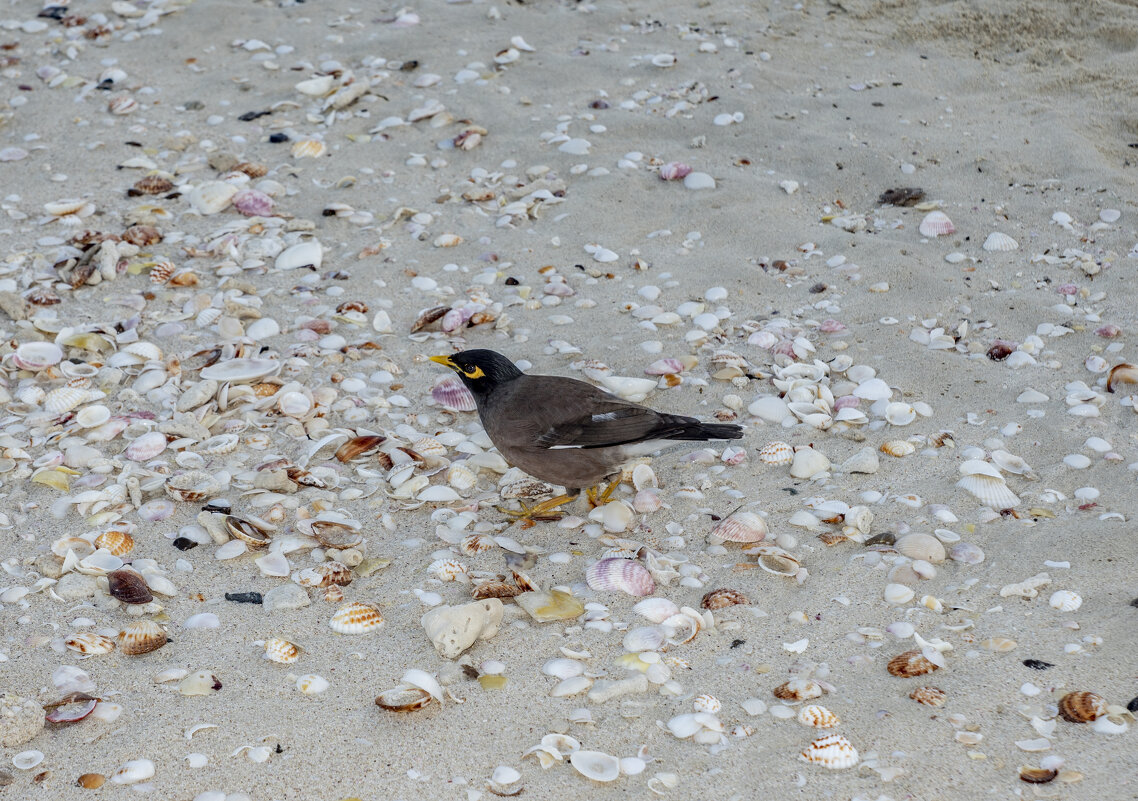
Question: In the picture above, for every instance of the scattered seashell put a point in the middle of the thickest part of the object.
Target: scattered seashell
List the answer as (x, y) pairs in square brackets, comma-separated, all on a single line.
[(129, 587), (282, 651), (797, 690), (134, 771), (1123, 377), (90, 643), (909, 664), (776, 454), (336, 535), (722, 598), (998, 241), (929, 696), (898, 448), (201, 683), (625, 575), (818, 716), (1082, 707), (808, 463), (116, 541), (141, 637), (356, 617), (595, 765), (740, 526), (1037, 775), (1065, 600), (453, 629), (936, 223), (832, 751)]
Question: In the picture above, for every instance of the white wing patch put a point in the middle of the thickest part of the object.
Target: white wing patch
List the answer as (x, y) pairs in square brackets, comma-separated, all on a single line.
[(601, 418), (562, 447)]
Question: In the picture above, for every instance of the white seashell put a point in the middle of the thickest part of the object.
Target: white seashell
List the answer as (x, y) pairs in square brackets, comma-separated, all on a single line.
[(998, 241), (936, 223), (309, 253), (211, 197), (631, 389), (220, 444), (898, 594), (1010, 463), (294, 404), (776, 454), (644, 477), (1065, 600), (63, 399), (563, 668), (26, 760), (808, 463), (273, 565), (241, 370), (230, 550), (438, 494), (37, 356), (625, 575), (817, 717), (832, 751), (92, 416), (988, 490), (921, 546), (770, 408), (62, 208), (900, 414), (574, 685), (134, 771), (864, 461), (644, 638), (615, 516), (202, 620), (422, 680), (656, 610), (595, 765), (146, 447), (312, 684), (873, 389)]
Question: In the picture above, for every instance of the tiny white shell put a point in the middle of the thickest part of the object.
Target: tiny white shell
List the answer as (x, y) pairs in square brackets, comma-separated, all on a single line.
[(936, 223), (998, 241), (595, 765), (1066, 600)]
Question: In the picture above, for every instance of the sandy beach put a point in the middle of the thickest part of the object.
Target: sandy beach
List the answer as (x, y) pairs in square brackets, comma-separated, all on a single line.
[(232, 221)]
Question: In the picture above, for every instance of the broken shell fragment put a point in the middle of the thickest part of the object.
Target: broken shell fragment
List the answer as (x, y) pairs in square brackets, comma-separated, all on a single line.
[(909, 664), (201, 683), (331, 534), (1037, 775), (251, 534), (90, 643), (453, 629)]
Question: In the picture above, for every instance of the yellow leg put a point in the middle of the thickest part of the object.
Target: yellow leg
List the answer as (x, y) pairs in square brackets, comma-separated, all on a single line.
[(541, 510), (605, 496)]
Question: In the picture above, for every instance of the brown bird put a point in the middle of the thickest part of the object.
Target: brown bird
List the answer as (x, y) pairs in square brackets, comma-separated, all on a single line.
[(565, 431)]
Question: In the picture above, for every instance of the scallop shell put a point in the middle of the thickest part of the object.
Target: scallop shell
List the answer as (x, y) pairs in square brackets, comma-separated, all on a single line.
[(332, 534), (1065, 600), (448, 570), (776, 453), (282, 651), (191, 486), (129, 587), (360, 446), (452, 394), (898, 448), (116, 541), (88, 642), (909, 664), (832, 751), (356, 617), (818, 716), (308, 149), (461, 477), (936, 223), (146, 447), (595, 765), (998, 241), (63, 399), (36, 356), (797, 690), (706, 703), (722, 598), (741, 526), (61, 208), (989, 490), (141, 637), (1082, 707), (625, 575), (929, 696)]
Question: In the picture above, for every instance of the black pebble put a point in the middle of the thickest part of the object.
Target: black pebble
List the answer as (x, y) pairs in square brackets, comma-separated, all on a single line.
[(1037, 664), (737, 643), (218, 505), (244, 597), (249, 116), (184, 544), (1134, 603), (1133, 705), (277, 138)]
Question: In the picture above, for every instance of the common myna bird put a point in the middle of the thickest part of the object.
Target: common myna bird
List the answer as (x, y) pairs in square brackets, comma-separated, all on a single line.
[(565, 431)]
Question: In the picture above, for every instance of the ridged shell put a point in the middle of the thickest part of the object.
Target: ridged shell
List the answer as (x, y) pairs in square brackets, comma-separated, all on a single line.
[(1065, 600), (220, 444), (936, 223), (253, 203), (898, 448), (998, 241), (63, 399), (37, 355), (832, 751), (909, 664), (191, 486), (308, 149), (282, 651), (452, 394), (722, 598), (356, 617), (798, 690), (776, 453), (461, 477), (146, 447), (929, 696), (625, 575), (706, 703), (152, 185), (818, 716), (357, 447), (741, 527), (403, 699), (333, 573), (88, 642), (117, 542), (921, 546), (495, 589), (448, 570), (989, 490), (1082, 707), (129, 587), (474, 544), (141, 637)]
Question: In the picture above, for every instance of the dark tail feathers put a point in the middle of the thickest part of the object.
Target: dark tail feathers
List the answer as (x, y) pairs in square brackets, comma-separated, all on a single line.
[(688, 428)]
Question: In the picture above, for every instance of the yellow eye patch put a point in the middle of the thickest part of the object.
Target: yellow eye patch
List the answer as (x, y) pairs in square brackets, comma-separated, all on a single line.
[(475, 373)]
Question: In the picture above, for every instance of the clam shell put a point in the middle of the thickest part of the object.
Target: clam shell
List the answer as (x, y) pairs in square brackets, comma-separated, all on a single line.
[(191, 486), (776, 453), (656, 610), (741, 526), (1065, 600), (356, 617), (309, 253), (253, 203), (360, 446), (832, 751), (116, 541), (282, 651), (1082, 707), (201, 683), (929, 696), (251, 534), (864, 461), (818, 717), (146, 447), (706, 703), (1122, 377), (211, 197), (921, 546), (722, 598), (936, 223), (999, 242), (37, 356), (595, 765), (240, 370), (452, 394), (625, 575), (775, 560), (134, 771), (898, 448), (403, 699), (129, 587), (900, 414), (63, 399), (797, 690), (332, 534), (1037, 775), (909, 664), (88, 642), (308, 149), (141, 637), (808, 463)]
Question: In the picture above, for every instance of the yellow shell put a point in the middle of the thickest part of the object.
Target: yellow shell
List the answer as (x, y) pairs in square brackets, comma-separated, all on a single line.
[(116, 541), (356, 617), (818, 716), (88, 642), (282, 651), (308, 149), (141, 637)]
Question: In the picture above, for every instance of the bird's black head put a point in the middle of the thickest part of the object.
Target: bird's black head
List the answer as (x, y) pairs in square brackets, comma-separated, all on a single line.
[(481, 370)]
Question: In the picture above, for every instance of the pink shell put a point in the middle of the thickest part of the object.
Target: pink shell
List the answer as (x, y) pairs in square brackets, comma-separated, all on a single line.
[(626, 575), (70, 713), (451, 394), (457, 318), (847, 402), (831, 327), (146, 447), (253, 203), (741, 527), (664, 367), (674, 171), (936, 223), (1067, 289), (1108, 331)]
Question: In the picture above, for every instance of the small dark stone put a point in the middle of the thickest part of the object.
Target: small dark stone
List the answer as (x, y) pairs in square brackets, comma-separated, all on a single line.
[(1134, 603), (1037, 664), (249, 116), (599, 104), (884, 538), (1133, 705), (737, 643), (53, 12), (511, 281), (193, 105), (902, 196), (244, 597), (278, 138), (184, 543), (818, 288)]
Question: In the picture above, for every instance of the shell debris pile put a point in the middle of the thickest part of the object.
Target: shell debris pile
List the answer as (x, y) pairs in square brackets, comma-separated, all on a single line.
[(243, 514)]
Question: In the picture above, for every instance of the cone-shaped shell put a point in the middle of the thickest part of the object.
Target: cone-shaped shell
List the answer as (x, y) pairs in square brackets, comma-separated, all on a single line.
[(625, 575), (141, 637), (741, 526)]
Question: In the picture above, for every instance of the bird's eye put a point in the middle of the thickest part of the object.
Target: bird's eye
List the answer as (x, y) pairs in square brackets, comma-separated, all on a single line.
[(472, 372)]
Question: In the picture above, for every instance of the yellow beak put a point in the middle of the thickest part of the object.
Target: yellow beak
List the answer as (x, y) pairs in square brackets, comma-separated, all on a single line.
[(445, 361)]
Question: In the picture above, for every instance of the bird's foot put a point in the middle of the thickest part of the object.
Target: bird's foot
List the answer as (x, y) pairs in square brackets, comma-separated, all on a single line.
[(596, 500), (546, 510)]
